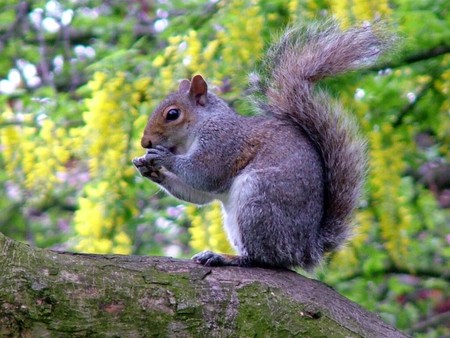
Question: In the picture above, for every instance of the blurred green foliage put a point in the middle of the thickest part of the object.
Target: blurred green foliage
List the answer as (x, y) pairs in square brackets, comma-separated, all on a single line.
[(78, 80)]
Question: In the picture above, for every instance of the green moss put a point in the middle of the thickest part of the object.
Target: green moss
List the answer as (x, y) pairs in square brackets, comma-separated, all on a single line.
[(275, 318)]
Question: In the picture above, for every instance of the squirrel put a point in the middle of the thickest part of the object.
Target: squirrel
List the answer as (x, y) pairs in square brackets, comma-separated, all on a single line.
[(289, 178)]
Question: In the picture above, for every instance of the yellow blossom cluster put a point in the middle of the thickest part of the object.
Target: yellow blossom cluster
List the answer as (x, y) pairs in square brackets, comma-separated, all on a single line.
[(241, 37), (308, 8), (184, 56), (393, 214), (235, 44), (10, 140), (35, 155), (52, 155), (389, 203), (389, 214), (350, 12), (293, 7), (443, 85), (110, 120), (206, 229)]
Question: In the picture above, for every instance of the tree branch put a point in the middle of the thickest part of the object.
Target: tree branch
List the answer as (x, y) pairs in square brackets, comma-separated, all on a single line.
[(398, 270), (45, 293), (422, 56), (22, 10), (433, 321), (410, 106)]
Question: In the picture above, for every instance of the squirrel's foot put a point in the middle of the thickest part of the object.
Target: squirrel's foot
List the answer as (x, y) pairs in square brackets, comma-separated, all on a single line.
[(209, 258)]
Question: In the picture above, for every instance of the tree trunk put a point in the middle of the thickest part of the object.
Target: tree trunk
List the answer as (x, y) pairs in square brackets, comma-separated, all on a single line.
[(50, 294)]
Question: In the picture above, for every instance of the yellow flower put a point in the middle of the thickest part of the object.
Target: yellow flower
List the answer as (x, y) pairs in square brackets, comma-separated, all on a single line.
[(350, 12), (210, 49), (106, 140), (206, 229), (142, 84), (97, 82), (158, 61)]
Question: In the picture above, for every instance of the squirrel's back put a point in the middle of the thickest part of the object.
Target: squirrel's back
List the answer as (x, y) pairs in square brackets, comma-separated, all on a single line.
[(286, 91)]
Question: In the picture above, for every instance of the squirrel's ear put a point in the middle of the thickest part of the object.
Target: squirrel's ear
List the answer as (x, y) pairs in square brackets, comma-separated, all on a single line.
[(184, 86), (199, 90)]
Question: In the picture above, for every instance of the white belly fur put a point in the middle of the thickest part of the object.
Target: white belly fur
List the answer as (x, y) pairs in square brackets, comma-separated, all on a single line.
[(240, 191)]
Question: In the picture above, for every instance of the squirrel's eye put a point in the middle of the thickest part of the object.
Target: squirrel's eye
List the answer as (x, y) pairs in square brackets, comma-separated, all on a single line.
[(173, 114)]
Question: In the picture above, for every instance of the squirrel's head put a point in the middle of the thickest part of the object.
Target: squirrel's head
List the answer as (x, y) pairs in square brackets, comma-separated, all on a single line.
[(171, 124)]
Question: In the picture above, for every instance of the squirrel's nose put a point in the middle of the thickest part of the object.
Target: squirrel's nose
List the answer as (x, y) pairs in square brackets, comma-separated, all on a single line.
[(146, 142)]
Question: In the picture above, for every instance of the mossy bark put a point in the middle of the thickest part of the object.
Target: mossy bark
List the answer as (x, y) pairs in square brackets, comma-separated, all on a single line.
[(49, 294)]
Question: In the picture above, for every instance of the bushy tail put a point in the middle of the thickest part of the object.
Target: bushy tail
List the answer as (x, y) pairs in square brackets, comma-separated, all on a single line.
[(285, 89)]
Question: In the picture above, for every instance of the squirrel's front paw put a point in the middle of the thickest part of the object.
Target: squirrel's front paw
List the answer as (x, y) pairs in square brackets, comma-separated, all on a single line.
[(148, 169), (160, 157)]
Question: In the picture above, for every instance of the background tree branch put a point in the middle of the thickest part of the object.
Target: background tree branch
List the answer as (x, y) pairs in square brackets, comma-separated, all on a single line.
[(413, 58)]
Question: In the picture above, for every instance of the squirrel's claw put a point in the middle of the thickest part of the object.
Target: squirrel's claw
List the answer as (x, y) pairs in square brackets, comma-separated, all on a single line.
[(209, 258)]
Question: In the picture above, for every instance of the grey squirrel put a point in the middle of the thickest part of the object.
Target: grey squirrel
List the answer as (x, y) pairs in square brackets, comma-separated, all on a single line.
[(289, 178)]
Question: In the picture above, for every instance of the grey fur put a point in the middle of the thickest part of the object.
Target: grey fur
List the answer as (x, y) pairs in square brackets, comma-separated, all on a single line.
[(303, 56), (289, 180)]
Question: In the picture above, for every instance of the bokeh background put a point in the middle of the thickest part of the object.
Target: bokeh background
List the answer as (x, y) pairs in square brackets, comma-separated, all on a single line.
[(78, 80)]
